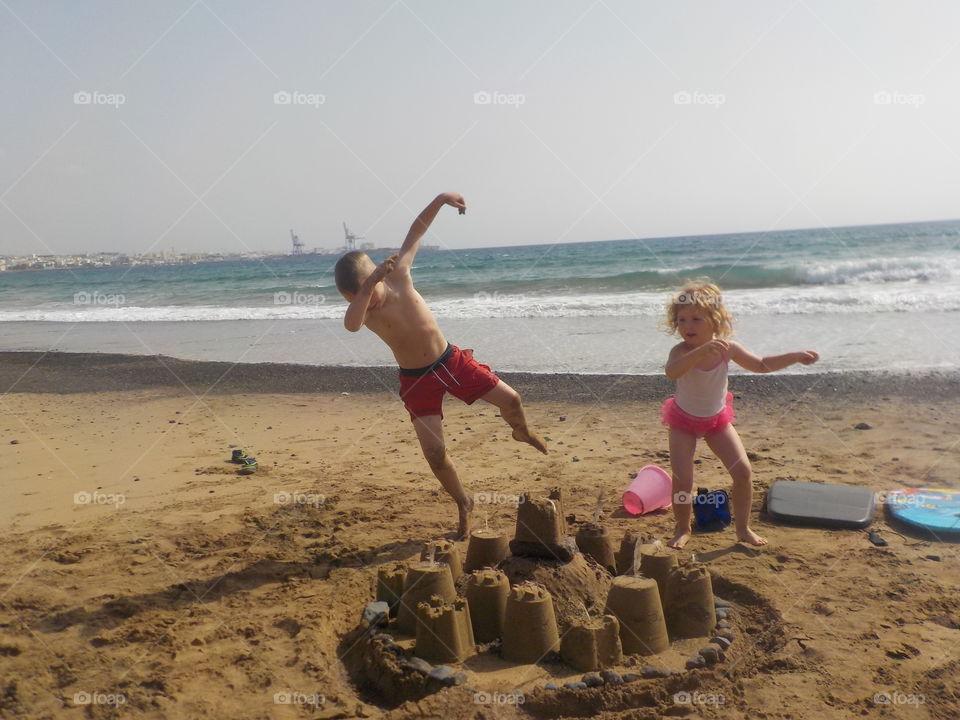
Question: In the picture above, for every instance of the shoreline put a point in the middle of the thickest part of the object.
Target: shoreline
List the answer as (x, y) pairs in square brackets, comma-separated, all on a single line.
[(70, 373)]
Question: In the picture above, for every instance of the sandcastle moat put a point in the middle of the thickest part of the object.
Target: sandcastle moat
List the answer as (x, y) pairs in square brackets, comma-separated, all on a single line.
[(547, 617)]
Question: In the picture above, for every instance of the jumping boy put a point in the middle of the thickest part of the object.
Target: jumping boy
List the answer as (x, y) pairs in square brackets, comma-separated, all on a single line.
[(383, 298)]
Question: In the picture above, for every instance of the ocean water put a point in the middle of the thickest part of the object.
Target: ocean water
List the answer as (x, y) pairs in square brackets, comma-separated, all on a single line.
[(870, 297)]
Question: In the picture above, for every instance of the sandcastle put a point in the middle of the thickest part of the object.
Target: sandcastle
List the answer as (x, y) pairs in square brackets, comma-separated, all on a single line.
[(487, 592), (541, 529), (423, 580), (485, 549), (444, 551), (592, 644), (635, 602), (593, 541), (560, 607), (444, 631), (532, 623)]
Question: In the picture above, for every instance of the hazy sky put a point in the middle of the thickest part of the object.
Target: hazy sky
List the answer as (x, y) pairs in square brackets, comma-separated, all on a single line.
[(606, 119)]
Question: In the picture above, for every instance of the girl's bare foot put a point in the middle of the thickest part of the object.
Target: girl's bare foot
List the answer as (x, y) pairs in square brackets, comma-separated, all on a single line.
[(463, 527), (749, 536), (530, 439), (680, 539)]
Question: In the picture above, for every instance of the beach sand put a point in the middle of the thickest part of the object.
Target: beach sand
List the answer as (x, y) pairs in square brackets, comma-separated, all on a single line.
[(192, 591)]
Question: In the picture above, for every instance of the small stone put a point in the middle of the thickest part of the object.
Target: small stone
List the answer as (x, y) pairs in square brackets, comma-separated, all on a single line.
[(418, 664), (576, 459), (722, 613), (710, 654), (575, 685), (726, 634), (720, 603), (935, 558), (895, 459), (443, 674), (724, 625), (630, 677), (697, 661), (376, 613), (14, 442), (611, 677), (459, 678), (721, 641), (563, 418), (649, 671), (592, 680), (551, 686), (862, 426)]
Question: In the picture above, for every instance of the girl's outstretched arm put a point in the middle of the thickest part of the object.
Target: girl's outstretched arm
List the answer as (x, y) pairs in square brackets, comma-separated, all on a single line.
[(771, 363)]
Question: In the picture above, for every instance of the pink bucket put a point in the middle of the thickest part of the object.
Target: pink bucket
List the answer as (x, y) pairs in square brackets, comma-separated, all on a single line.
[(649, 491)]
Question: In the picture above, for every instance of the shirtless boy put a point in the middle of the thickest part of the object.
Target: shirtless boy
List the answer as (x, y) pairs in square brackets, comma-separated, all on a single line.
[(383, 298)]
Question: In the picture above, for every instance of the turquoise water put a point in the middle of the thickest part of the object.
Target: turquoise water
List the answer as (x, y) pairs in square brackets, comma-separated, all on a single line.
[(878, 297)]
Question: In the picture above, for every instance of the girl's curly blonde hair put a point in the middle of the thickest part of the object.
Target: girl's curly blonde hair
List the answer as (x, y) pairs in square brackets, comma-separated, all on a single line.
[(703, 294)]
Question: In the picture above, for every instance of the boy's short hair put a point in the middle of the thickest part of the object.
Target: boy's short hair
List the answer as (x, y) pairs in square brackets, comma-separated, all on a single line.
[(346, 272)]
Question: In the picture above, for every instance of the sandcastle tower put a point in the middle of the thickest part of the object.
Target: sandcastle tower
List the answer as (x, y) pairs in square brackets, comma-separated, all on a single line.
[(592, 644), (541, 528), (690, 608), (390, 584), (658, 563), (444, 631), (635, 602), (487, 592), (532, 624), (593, 541), (444, 551), (423, 580), (485, 549)]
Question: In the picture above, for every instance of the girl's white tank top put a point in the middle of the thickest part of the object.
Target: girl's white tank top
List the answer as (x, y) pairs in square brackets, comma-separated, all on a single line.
[(702, 393)]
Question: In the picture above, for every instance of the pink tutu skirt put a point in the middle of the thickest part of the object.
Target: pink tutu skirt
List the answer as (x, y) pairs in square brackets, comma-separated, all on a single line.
[(674, 417)]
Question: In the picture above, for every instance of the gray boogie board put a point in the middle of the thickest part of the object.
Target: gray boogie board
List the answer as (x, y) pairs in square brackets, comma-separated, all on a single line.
[(809, 503)]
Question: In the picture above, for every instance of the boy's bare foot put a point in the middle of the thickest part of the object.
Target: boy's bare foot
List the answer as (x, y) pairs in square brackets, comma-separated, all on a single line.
[(530, 439), (463, 527), (680, 539), (749, 536)]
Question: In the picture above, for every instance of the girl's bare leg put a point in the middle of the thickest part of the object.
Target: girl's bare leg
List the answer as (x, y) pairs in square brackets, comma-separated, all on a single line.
[(728, 447), (682, 447)]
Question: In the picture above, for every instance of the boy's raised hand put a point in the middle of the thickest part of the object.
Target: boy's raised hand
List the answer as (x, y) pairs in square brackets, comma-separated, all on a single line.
[(386, 267), (456, 200)]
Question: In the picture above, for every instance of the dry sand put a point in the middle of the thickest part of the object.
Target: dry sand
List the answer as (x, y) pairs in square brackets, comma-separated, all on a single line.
[(193, 592)]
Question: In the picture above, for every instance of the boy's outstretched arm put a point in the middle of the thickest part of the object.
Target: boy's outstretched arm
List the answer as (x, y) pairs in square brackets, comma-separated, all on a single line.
[(420, 226)]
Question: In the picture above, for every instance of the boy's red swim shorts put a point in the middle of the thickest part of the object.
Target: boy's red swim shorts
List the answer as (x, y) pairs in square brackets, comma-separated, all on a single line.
[(454, 372)]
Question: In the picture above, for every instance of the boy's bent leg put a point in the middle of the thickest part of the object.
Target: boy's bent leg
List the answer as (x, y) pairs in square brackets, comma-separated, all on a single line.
[(430, 434), (511, 409), (682, 447), (728, 447)]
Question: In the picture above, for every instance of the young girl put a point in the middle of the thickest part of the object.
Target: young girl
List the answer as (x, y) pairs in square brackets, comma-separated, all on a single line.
[(702, 407)]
